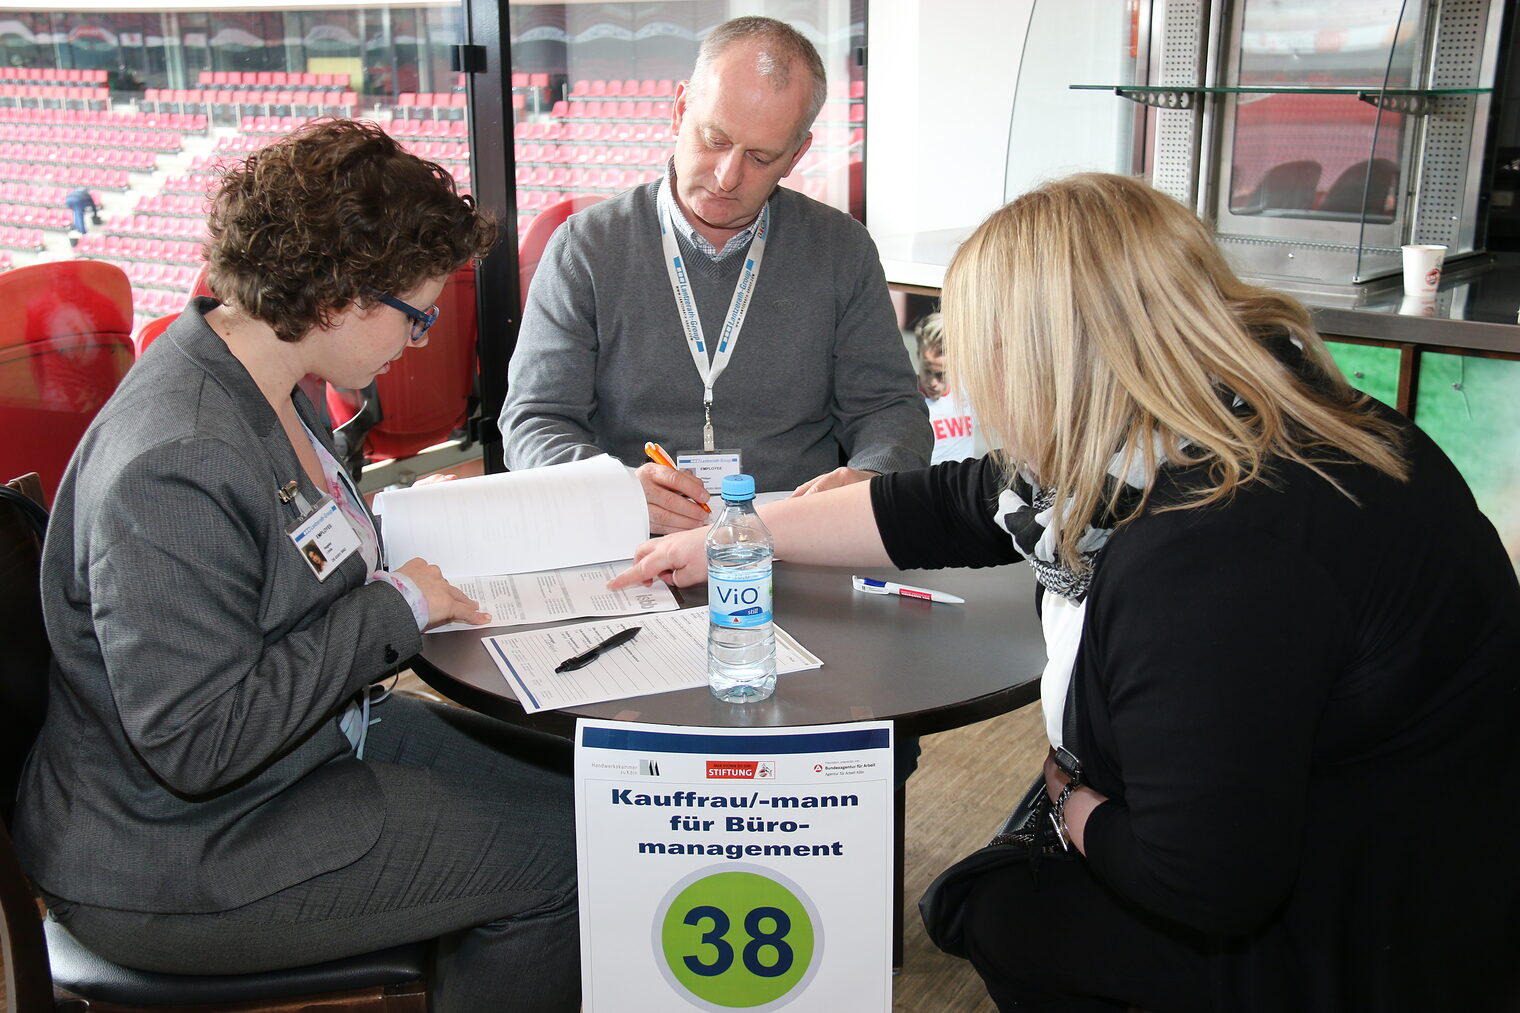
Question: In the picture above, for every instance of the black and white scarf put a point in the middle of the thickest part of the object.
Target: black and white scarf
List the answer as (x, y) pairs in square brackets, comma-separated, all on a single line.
[(1027, 512)]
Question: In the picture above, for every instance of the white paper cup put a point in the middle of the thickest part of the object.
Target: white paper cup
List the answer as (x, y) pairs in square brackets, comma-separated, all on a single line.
[(1422, 269)]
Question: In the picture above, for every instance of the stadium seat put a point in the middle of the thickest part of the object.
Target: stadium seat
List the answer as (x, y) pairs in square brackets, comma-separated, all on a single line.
[(147, 332), (536, 237), (425, 396), (65, 342)]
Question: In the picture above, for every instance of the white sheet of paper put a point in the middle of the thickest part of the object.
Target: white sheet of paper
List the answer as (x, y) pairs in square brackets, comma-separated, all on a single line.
[(519, 522), (669, 653), (516, 599)]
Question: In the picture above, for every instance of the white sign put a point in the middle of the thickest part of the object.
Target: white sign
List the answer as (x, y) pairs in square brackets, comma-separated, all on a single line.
[(727, 868)]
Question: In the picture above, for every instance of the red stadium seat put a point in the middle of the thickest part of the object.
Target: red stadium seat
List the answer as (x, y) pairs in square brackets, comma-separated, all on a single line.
[(425, 396), (150, 330), (65, 343), (536, 237)]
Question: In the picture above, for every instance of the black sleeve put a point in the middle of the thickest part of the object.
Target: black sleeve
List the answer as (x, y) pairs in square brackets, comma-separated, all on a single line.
[(942, 516), (1213, 653)]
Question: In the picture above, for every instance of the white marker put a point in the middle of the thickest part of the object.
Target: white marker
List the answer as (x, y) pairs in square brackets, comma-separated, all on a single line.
[(870, 585)]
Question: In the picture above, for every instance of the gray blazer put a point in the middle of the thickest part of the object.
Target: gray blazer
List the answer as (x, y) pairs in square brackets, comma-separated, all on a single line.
[(191, 760)]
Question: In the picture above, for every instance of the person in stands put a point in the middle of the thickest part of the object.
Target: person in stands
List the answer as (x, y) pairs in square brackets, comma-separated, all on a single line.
[(81, 202)]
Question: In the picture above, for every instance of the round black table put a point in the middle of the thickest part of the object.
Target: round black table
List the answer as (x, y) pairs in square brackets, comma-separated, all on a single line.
[(927, 667)]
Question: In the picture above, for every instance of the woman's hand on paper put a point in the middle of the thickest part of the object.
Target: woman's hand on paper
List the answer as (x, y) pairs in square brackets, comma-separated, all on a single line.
[(835, 479), (433, 479), (445, 602), (673, 498), (679, 559)]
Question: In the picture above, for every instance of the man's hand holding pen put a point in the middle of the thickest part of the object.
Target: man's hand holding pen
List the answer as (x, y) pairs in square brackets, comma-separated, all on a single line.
[(677, 499)]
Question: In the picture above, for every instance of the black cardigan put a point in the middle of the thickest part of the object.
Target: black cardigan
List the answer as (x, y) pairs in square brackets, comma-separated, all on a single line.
[(1302, 709)]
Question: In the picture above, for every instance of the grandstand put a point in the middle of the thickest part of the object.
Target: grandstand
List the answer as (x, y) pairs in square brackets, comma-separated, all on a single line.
[(150, 160)]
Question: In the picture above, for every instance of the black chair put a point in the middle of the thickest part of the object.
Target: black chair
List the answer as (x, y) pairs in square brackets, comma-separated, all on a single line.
[(1288, 186), (46, 968), (1363, 189)]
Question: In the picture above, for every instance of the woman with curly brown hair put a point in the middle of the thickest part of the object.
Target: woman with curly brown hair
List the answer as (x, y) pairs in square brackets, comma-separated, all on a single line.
[(215, 789)]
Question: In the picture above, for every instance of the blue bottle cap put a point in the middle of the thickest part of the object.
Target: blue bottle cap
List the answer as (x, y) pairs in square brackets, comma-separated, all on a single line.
[(738, 488)]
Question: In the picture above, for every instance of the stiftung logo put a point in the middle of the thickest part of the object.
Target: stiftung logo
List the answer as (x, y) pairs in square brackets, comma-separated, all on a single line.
[(744, 769)]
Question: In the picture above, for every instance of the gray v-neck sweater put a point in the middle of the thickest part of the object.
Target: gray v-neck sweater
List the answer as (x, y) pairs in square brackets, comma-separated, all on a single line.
[(819, 376)]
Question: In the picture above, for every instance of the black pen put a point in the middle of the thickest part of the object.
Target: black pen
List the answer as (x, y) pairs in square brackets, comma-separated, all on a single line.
[(582, 660)]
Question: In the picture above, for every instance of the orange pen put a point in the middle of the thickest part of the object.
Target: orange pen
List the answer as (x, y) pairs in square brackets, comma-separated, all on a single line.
[(657, 454)]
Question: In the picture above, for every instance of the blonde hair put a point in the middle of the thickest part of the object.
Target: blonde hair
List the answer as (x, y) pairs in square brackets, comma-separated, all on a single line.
[(1095, 316), (929, 333)]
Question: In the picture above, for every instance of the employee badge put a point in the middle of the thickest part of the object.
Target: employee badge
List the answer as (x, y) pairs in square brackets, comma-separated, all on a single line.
[(324, 538), (710, 466)]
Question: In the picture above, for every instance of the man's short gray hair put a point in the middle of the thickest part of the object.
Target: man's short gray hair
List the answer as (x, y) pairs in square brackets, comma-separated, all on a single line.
[(782, 49)]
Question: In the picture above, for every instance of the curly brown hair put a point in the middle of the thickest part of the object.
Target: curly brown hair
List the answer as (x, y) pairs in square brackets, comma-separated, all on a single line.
[(329, 216)]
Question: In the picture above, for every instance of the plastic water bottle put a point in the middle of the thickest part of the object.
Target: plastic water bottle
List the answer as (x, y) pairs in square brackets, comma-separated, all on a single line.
[(741, 636)]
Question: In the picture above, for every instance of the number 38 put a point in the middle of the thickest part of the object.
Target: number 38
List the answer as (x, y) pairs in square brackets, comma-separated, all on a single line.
[(759, 939)]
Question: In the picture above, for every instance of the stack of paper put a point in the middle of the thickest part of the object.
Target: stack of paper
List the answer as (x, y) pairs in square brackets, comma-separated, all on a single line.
[(530, 546)]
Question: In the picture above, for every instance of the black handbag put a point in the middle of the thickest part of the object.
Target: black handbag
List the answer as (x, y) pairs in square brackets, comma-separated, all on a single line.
[(1027, 835)]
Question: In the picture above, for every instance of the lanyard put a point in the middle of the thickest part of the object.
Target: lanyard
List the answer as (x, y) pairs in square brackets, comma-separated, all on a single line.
[(355, 500), (686, 305)]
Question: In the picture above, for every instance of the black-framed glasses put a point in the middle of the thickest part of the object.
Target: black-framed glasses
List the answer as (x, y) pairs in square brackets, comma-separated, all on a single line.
[(421, 321)]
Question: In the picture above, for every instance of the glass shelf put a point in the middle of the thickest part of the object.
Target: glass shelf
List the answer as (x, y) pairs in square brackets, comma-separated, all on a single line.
[(1414, 101), (1262, 89)]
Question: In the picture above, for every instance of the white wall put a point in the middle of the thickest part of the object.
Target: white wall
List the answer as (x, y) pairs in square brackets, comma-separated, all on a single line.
[(939, 90), (945, 98)]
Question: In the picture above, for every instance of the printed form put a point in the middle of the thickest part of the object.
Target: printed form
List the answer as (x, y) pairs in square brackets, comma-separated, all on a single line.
[(517, 599), (530, 546), (669, 653)]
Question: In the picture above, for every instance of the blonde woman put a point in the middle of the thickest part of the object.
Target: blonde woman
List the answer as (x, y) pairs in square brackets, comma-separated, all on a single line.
[(1290, 634)]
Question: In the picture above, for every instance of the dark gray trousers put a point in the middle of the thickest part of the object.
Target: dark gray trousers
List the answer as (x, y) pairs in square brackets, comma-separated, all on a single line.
[(478, 851)]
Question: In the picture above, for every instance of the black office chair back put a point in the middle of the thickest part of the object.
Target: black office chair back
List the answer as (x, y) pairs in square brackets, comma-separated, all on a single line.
[(23, 700), (1289, 186), (26, 657), (37, 956), (1363, 189)]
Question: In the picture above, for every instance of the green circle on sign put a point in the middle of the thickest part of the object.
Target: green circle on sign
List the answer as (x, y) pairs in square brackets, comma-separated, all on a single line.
[(737, 939)]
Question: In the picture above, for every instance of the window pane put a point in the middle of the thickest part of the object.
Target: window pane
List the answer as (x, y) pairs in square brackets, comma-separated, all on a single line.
[(141, 108), (1320, 156), (593, 84)]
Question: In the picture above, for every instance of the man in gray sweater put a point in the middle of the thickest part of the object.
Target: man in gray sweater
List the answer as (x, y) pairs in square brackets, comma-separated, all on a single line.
[(713, 311)]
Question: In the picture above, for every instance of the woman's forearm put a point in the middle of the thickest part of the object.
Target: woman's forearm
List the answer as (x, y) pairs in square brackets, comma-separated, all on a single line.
[(832, 528)]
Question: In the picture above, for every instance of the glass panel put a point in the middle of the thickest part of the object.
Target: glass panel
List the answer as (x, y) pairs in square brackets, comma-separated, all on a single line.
[(592, 86), (1305, 155), (1388, 135), (1471, 407), (1371, 369), (1074, 42), (140, 108)]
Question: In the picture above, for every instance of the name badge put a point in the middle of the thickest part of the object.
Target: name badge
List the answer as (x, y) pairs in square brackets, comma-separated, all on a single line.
[(324, 537), (711, 466)]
